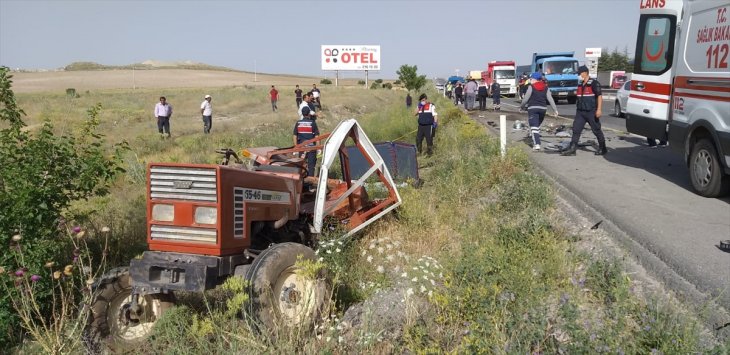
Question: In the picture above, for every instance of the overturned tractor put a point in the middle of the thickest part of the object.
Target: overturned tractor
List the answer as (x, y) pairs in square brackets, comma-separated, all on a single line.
[(206, 223)]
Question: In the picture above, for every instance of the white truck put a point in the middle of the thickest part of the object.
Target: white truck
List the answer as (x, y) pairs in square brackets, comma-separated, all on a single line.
[(680, 88)]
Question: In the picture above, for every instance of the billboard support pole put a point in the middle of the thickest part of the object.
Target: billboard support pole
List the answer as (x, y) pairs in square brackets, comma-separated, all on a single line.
[(366, 79), (337, 77)]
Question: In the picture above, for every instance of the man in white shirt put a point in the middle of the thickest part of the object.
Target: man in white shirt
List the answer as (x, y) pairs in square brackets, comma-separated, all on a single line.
[(206, 109), (163, 112), (307, 100)]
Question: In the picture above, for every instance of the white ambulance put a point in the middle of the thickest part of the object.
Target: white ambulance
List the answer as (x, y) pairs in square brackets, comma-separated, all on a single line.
[(680, 88)]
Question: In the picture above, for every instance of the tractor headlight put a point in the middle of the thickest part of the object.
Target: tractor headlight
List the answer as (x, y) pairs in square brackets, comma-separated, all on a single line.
[(206, 215), (164, 213)]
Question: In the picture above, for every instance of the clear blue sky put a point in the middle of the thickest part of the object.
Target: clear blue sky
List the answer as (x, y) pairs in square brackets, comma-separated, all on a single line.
[(285, 36)]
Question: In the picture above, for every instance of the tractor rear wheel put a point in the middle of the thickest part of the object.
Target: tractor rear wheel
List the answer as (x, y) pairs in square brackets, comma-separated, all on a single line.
[(281, 294), (113, 324)]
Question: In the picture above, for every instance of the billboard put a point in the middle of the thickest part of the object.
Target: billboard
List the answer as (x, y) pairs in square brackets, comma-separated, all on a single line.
[(350, 57), (593, 53)]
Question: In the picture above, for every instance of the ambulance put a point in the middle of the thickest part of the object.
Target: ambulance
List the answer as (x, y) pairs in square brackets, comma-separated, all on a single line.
[(680, 88)]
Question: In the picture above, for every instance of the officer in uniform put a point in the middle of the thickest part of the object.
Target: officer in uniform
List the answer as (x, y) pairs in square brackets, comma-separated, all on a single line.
[(306, 129), (427, 120), (588, 110)]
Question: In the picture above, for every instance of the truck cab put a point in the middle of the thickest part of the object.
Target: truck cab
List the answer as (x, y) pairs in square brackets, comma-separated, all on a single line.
[(680, 88), (504, 72), (561, 72)]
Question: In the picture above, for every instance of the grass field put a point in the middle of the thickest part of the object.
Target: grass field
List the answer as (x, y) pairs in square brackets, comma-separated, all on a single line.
[(475, 261)]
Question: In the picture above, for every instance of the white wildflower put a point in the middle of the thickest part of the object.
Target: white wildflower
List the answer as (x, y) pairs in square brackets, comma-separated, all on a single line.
[(337, 250), (381, 269), (389, 246), (370, 258), (329, 251), (409, 292), (389, 258), (380, 250), (340, 339), (423, 289), (363, 253), (404, 275), (433, 283), (372, 246), (415, 279)]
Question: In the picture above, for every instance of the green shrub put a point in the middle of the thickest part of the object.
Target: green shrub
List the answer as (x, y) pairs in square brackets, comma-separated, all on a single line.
[(361, 82), (42, 175), (387, 86), (325, 81), (374, 86), (379, 81)]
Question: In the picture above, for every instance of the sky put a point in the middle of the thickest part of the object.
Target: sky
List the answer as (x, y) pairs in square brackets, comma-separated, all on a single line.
[(285, 37)]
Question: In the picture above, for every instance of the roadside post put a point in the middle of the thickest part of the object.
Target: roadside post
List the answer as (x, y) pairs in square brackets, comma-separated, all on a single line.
[(503, 135)]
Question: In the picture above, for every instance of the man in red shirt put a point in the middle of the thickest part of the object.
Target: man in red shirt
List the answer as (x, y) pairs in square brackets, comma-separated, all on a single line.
[(274, 98)]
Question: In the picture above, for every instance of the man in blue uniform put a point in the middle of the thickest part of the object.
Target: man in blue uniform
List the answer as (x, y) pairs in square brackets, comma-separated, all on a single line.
[(496, 92), (535, 102), (588, 110), (304, 130)]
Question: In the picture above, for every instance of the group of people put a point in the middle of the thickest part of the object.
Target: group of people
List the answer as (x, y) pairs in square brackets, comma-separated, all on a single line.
[(163, 109), (588, 110), (163, 113), (468, 94)]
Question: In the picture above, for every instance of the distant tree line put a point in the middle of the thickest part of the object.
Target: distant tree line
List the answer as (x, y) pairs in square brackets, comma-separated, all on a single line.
[(616, 60)]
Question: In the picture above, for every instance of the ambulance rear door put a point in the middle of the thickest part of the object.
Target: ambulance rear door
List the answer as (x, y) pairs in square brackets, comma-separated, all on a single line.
[(648, 108)]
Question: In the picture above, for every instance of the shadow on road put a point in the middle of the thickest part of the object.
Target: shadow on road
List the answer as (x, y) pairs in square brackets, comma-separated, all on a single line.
[(661, 161)]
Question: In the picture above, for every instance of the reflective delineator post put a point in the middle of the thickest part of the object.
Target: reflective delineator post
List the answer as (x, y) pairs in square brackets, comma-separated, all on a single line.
[(503, 134)]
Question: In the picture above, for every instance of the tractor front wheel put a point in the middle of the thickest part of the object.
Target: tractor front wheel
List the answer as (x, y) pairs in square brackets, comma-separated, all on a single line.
[(114, 324), (282, 294)]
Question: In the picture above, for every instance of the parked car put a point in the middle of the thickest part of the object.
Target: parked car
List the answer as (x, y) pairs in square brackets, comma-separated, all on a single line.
[(622, 97), (618, 81)]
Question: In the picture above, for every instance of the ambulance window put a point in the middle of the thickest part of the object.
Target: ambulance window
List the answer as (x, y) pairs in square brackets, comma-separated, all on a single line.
[(655, 43)]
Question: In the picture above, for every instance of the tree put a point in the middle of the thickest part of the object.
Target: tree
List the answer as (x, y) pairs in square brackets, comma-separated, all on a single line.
[(615, 60), (408, 75)]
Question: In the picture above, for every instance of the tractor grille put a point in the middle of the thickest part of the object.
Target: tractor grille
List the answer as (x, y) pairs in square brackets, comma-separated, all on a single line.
[(188, 184), (184, 234), (238, 217)]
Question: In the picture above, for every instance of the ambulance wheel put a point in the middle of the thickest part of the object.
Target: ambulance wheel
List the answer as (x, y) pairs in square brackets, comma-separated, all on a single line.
[(281, 293), (112, 324), (706, 172)]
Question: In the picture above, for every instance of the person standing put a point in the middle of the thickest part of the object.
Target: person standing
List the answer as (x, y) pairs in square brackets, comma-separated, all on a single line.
[(304, 130), (274, 97), (471, 93), (316, 96), (496, 90), (458, 94), (409, 100), (535, 102), (206, 109), (449, 90), (163, 112), (427, 118), (482, 94), (298, 95), (588, 110)]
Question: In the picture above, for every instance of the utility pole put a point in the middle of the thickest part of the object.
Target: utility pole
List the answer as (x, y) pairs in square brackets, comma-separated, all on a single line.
[(254, 71)]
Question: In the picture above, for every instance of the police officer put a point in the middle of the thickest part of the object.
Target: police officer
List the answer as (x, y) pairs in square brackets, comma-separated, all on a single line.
[(306, 129), (588, 110), (427, 119)]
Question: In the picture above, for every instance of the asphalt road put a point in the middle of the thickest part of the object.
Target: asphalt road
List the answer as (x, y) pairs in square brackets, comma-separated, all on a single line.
[(646, 194)]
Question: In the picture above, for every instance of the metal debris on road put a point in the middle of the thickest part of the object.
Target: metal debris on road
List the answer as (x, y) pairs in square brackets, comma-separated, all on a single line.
[(595, 226), (725, 245)]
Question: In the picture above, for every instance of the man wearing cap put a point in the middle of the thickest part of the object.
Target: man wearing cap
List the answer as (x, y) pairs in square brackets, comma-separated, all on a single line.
[(535, 102), (163, 112), (206, 109), (427, 120), (298, 95), (304, 130), (588, 110), (316, 96)]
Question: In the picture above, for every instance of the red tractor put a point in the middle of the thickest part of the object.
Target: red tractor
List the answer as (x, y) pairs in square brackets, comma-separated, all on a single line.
[(206, 223)]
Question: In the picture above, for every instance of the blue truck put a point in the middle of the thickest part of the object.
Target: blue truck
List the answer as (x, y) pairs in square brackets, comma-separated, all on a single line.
[(560, 69)]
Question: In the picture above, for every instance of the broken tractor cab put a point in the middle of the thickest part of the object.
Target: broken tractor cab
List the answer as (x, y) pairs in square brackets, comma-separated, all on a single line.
[(206, 223)]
